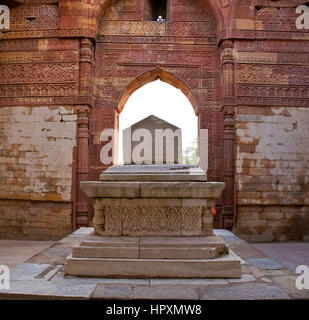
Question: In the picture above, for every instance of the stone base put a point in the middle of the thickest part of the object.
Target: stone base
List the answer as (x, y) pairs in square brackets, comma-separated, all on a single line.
[(153, 257), (153, 222), (41, 277)]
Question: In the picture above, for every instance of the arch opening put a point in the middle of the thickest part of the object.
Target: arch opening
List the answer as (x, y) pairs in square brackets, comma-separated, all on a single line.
[(164, 101), (153, 75)]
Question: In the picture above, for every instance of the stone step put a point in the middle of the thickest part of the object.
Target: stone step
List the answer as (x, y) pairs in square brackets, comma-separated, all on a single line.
[(227, 266), (98, 241), (140, 252), (202, 241), (208, 247), (195, 241), (178, 253), (106, 252)]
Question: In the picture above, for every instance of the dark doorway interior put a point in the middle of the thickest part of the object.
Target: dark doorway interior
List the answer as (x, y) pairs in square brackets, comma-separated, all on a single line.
[(156, 10)]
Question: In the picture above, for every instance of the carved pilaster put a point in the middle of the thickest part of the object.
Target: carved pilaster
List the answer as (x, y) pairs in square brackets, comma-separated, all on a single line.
[(85, 67), (227, 59), (228, 208), (83, 116)]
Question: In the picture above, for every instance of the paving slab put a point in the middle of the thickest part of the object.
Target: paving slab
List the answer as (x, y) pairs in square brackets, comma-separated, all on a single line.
[(288, 283), (290, 254), (246, 252), (28, 271), (50, 272), (57, 253), (60, 277), (165, 293), (190, 282), (13, 252), (41, 289), (257, 273), (244, 278), (276, 272), (222, 232), (232, 239), (104, 291), (266, 263), (51, 256), (246, 291)]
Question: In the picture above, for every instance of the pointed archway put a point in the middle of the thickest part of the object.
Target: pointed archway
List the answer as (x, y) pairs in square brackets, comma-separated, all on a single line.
[(164, 101), (183, 52), (153, 75)]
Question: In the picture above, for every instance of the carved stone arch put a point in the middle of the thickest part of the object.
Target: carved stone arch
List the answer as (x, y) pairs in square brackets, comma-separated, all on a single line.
[(129, 54), (153, 75)]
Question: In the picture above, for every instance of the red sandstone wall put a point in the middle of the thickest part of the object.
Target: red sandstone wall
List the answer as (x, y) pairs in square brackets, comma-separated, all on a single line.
[(55, 56), (271, 80), (38, 85)]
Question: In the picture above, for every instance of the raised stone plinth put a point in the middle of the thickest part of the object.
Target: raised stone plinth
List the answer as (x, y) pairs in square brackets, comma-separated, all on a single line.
[(153, 229), (153, 257)]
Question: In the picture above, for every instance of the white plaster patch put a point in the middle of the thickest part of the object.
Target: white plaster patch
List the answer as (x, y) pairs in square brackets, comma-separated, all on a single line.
[(43, 144)]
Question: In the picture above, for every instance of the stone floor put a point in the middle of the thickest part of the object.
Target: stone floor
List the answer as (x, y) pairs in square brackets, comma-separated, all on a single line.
[(291, 254), (268, 272), (13, 252)]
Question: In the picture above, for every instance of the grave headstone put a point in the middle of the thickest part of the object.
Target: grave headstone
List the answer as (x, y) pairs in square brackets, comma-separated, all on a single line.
[(152, 141)]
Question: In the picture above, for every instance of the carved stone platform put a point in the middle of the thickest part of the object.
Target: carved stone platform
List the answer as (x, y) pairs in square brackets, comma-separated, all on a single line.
[(153, 257), (153, 229)]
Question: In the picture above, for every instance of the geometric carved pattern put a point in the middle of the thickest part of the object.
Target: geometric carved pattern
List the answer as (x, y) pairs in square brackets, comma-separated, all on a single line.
[(148, 219), (38, 57), (158, 39), (145, 28), (285, 47), (276, 19), (38, 90), (21, 73), (132, 28), (31, 34), (273, 74), (35, 17), (284, 91), (151, 219), (261, 74), (287, 102), (199, 29)]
